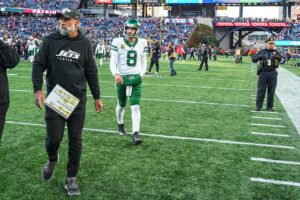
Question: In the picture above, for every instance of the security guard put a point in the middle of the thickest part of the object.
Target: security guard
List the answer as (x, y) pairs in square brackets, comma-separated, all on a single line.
[(269, 59)]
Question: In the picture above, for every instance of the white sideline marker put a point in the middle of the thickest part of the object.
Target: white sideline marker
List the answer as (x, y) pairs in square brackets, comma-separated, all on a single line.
[(276, 182), (270, 118), (254, 111), (269, 134), (268, 125), (275, 161), (171, 137)]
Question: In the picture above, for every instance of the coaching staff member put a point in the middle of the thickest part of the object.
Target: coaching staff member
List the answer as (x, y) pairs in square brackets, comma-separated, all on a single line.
[(269, 60), (68, 58), (8, 60)]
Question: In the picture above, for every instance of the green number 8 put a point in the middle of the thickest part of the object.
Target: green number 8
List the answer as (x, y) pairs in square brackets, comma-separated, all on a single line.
[(131, 58)]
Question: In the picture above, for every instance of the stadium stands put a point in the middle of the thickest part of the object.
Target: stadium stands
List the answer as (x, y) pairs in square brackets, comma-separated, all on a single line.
[(94, 28), (291, 33), (42, 4)]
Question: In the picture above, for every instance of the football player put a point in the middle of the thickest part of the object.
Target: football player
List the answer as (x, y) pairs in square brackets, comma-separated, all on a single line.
[(128, 65), (100, 52)]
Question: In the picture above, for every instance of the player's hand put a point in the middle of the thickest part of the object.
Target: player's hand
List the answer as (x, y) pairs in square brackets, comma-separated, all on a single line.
[(39, 98), (119, 79), (98, 105)]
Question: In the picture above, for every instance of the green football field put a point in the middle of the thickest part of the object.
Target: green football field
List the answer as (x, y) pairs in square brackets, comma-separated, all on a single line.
[(202, 141)]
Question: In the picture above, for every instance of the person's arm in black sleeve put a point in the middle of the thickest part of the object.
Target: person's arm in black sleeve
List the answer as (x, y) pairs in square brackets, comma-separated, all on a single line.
[(91, 74), (8, 56), (257, 57), (281, 59), (39, 65)]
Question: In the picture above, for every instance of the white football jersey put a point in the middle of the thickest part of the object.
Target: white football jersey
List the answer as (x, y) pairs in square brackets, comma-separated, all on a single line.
[(31, 45), (100, 49), (128, 58)]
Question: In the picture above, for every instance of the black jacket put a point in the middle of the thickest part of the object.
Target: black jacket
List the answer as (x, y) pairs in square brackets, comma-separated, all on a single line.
[(269, 60), (69, 63), (156, 53), (8, 60), (204, 53)]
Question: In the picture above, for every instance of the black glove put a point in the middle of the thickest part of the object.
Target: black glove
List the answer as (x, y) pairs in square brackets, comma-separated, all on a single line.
[(264, 56)]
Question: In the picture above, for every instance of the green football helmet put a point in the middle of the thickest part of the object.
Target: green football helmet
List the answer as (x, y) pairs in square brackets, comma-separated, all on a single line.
[(132, 23)]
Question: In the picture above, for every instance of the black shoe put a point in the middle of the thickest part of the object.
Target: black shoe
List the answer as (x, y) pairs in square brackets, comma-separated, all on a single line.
[(270, 109), (121, 129), (258, 109), (48, 170), (72, 187), (136, 140)]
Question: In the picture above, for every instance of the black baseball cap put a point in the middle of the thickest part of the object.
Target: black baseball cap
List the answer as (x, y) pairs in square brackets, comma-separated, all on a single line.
[(69, 14), (270, 40)]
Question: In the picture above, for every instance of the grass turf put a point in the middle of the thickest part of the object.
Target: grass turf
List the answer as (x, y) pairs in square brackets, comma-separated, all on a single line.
[(161, 168)]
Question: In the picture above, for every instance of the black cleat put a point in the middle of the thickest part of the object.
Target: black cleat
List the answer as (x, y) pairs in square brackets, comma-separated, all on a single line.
[(270, 109), (121, 129), (258, 109), (72, 187), (48, 170), (136, 140)]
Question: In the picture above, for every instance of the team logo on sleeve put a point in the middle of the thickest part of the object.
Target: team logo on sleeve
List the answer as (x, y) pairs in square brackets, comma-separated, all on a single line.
[(68, 56)]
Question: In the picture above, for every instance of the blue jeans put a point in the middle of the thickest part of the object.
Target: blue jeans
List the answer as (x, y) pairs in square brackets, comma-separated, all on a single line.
[(172, 64)]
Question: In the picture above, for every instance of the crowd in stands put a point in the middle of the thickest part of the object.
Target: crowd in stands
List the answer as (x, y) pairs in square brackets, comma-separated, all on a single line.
[(247, 19), (290, 33), (41, 4), (95, 28)]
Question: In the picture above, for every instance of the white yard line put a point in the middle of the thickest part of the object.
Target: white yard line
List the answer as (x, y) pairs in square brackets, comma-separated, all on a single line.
[(275, 161), (268, 125), (170, 137), (264, 112), (276, 182), (167, 85), (270, 118), (269, 134), (163, 100)]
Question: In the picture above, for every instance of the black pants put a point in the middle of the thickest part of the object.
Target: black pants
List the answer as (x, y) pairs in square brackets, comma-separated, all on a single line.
[(204, 61), (192, 56), (55, 125), (83, 4), (215, 58), (2, 122), (154, 60), (199, 56), (179, 57), (266, 80)]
